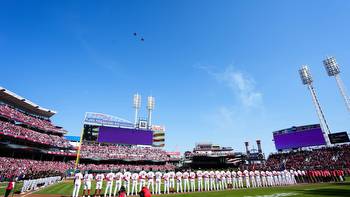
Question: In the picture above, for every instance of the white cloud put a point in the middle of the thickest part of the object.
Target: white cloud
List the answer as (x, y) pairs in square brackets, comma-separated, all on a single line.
[(241, 84)]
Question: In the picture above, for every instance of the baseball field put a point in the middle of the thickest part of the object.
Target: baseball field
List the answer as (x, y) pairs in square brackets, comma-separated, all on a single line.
[(308, 190)]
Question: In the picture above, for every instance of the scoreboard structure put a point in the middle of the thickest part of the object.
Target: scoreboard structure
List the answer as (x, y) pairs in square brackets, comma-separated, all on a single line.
[(299, 137), (102, 128)]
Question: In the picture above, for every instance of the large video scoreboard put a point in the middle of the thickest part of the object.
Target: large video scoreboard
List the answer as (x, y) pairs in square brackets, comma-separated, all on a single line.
[(103, 128), (298, 137)]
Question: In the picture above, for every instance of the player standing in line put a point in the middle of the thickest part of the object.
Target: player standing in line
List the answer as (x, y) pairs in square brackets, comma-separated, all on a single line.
[(109, 185), (246, 176), (279, 177), (126, 178), (193, 181), (275, 178), (118, 182), (77, 183), (87, 183), (99, 182), (234, 180), (294, 175), (206, 181), (142, 179), (166, 179), (257, 178), (185, 176), (270, 181), (240, 179), (229, 179), (218, 180), (263, 179), (212, 180), (172, 180), (223, 180), (150, 181), (178, 182), (199, 180), (134, 178), (158, 182), (252, 178)]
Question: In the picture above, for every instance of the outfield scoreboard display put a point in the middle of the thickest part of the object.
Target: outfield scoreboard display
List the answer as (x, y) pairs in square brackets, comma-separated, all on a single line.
[(298, 137), (117, 135), (125, 136), (103, 128), (341, 137)]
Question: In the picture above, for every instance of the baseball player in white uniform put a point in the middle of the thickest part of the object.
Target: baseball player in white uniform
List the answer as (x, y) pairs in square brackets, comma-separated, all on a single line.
[(150, 180), (99, 183), (263, 179), (172, 180), (200, 180), (218, 180), (240, 179), (186, 182), (77, 183), (193, 181), (134, 178), (158, 182), (126, 177), (178, 182), (118, 182), (142, 179), (270, 180), (223, 180), (257, 178), (228, 178), (212, 180), (87, 183), (166, 178), (246, 176), (206, 180), (109, 185), (252, 178), (234, 180)]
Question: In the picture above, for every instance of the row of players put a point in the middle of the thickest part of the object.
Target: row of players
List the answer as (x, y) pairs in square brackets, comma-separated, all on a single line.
[(185, 181)]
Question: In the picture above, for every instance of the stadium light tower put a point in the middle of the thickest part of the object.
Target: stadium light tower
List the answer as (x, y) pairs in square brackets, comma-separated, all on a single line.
[(137, 106), (333, 70), (306, 79), (150, 107)]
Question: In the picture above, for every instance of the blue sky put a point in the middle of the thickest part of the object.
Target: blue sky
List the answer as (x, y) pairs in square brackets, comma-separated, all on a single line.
[(221, 71)]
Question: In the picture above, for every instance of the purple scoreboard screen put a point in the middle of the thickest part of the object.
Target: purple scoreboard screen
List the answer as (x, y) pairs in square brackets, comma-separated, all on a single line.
[(298, 139), (125, 136)]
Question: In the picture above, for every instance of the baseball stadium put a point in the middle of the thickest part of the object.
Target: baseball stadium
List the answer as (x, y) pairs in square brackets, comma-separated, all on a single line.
[(42, 154)]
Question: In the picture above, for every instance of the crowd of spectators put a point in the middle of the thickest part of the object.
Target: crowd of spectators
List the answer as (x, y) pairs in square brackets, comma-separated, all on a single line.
[(30, 169), (336, 157), (120, 152), (19, 116), (9, 129), (128, 167)]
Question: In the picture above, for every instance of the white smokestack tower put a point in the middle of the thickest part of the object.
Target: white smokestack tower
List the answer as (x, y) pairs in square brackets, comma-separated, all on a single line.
[(333, 70), (137, 106), (306, 79), (150, 107)]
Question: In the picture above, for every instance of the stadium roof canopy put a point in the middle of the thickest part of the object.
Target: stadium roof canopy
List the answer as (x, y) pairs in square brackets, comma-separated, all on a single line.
[(24, 104), (72, 138), (99, 119)]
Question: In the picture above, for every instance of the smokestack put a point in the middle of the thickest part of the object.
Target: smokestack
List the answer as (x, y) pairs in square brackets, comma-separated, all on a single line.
[(258, 142), (247, 147)]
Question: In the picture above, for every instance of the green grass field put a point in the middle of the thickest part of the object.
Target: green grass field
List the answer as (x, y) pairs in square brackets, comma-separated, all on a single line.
[(3, 186), (308, 190)]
